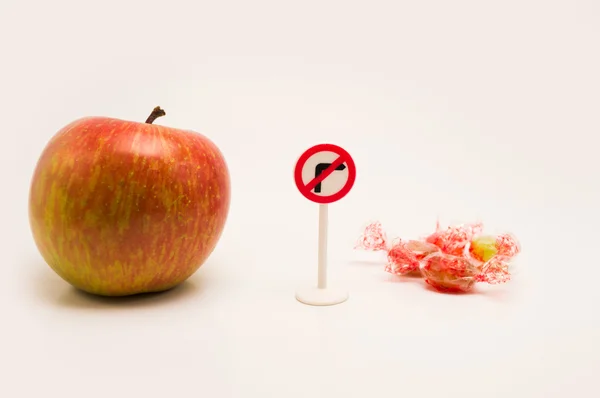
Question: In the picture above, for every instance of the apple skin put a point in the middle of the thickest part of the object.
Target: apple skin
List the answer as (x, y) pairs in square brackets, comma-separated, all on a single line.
[(118, 208)]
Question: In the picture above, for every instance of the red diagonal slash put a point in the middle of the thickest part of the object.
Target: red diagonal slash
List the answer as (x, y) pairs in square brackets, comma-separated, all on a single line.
[(311, 185)]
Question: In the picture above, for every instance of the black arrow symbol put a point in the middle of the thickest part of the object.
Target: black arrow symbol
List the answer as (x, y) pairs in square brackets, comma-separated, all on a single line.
[(321, 167)]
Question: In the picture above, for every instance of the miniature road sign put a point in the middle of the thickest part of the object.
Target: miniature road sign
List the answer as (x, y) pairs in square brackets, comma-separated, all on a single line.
[(324, 174)]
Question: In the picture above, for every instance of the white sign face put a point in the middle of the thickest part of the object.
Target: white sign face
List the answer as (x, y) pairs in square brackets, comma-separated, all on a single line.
[(318, 163), (325, 173)]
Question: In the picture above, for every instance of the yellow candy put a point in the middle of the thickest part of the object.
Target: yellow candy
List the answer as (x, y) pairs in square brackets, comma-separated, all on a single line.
[(484, 248)]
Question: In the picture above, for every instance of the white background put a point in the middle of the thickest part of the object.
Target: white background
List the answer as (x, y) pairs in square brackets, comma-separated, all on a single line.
[(466, 110)]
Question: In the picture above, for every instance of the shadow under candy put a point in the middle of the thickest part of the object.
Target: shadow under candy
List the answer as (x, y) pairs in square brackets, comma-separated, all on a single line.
[(496, 292)]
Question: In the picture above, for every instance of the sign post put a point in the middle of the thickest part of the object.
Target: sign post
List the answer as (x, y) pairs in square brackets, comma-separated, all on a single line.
[(323, 220), (324, 174)]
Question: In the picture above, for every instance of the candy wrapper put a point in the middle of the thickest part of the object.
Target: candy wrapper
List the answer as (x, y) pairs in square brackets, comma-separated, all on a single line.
[(453, 259)]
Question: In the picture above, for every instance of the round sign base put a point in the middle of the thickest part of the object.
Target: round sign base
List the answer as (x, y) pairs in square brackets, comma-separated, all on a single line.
[(321, 297)]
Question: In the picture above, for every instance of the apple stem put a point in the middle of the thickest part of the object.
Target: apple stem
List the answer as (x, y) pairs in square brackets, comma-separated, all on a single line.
[(156, 113)]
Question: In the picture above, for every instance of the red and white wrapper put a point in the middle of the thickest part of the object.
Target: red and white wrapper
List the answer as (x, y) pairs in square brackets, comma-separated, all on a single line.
[(444, 258)]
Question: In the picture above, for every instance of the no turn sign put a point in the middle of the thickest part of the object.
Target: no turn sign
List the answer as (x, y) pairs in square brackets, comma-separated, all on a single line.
[(325, 173)]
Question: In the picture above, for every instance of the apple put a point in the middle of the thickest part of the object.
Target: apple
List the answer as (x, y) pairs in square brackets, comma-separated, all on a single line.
[(118, 208)]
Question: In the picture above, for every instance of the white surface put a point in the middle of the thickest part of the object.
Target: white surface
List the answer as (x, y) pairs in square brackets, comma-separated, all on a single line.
[(462, 109)]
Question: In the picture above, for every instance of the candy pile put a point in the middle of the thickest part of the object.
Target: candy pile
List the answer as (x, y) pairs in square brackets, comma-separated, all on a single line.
[(450, 260)]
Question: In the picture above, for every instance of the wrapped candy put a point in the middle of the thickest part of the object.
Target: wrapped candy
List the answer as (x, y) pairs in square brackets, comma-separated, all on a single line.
[(450, 260), (455, 274), (403, 256), (454, 239), (373, 239)]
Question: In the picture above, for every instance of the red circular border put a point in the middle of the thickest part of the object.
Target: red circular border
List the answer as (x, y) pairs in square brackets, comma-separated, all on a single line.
[(325, 148)]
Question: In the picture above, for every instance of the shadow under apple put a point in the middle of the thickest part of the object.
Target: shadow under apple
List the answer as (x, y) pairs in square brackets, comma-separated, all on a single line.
[(49, 288)]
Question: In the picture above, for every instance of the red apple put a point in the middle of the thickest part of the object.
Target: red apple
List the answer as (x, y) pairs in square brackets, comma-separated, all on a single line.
[(119, 207)]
